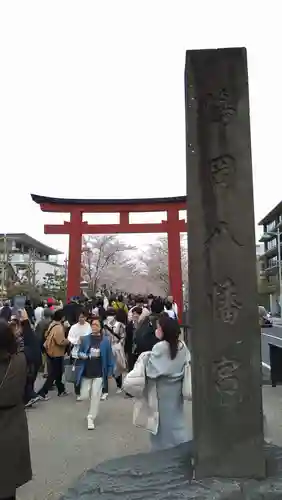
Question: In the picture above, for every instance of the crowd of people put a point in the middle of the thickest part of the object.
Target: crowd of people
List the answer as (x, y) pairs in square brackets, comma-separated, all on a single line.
[(134, 340)]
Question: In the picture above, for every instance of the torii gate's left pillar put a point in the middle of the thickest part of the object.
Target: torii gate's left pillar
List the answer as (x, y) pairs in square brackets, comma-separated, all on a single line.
[(74, 264)]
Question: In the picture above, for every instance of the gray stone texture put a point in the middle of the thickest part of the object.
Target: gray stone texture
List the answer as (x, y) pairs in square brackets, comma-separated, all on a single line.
[(168, 474), (63, 449), (227, 403)]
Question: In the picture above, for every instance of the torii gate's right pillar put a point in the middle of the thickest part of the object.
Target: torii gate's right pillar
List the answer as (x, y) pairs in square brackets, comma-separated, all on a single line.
[(226, 358)]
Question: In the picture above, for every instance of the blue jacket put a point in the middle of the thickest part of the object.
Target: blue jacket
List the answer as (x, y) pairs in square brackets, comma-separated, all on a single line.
[(106, 357)]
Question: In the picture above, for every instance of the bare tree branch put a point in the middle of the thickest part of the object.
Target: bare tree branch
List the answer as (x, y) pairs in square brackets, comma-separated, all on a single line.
[(102, 259), (156, 263)]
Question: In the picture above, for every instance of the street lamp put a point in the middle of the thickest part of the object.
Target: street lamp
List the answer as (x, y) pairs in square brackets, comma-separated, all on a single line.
[(278, 236)]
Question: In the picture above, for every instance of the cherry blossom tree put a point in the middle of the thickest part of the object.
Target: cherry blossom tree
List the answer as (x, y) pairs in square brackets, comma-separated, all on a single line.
[(156, 261), (107, 260)]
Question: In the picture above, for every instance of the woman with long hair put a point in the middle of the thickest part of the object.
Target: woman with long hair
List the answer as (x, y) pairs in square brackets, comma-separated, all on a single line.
[(165, 370), (15, 467)]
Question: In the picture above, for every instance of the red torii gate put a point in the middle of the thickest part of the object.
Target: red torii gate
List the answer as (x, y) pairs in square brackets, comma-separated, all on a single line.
[(173, 226)]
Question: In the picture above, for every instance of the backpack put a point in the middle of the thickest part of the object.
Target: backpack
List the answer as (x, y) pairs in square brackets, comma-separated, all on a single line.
[(49, 338), (145, 337)]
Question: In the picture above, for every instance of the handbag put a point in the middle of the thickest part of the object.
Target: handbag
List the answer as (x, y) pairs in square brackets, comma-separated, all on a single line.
[(187, 377), (71, 372), (120, 358), (118, 352)]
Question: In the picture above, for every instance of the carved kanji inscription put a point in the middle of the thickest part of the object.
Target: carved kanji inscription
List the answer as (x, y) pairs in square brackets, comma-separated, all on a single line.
[(226, 380), (225, 301), (222, 170), (220, 107)]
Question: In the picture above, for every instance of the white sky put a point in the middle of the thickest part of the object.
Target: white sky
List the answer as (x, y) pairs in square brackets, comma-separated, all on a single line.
[(92, 99)]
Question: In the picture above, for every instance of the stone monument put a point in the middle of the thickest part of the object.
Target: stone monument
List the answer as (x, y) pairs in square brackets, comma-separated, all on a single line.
[(225, 340), (228, 454)]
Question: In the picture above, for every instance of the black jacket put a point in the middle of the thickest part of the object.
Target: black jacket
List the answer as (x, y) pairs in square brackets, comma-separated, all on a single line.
[(145, 337), (30, 313), (32, 347), (128, 344), (71, 312)]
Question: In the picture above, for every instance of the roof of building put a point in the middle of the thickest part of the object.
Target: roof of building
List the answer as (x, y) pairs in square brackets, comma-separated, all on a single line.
[(272, 214), (87, 201), (28, 240)]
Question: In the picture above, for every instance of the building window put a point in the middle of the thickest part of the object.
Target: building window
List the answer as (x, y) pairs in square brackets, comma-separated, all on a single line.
[(18, 246), (271, 226), (272, 279), (271, 244), (272, 262)]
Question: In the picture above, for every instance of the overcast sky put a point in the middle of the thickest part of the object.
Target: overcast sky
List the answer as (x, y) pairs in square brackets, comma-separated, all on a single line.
[(92, 99)]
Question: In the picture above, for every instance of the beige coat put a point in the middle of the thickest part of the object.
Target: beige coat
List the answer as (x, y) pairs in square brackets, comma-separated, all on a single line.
[(15, 469), (56, 341)]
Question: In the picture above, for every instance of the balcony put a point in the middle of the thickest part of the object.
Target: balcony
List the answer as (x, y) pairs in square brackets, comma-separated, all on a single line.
[(271, 270), (271, 252), (25, 259)]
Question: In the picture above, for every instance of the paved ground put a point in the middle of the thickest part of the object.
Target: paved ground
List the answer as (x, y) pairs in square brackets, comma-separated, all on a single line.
[(62, 447)]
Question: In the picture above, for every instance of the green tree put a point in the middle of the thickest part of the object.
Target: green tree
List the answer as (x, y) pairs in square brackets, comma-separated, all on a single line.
[(54, 284)]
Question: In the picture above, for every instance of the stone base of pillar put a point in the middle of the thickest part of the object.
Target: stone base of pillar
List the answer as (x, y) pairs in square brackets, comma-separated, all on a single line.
[(169, 474)]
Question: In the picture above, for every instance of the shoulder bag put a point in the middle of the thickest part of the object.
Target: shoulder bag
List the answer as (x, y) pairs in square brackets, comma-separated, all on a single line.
[(187, 377)]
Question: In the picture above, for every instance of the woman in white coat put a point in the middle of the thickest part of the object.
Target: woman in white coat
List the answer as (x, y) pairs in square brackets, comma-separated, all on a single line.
[(165, 370)]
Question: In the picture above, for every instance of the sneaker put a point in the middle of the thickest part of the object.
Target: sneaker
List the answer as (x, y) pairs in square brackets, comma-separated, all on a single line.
[(119, 391), (104, 396), (90, 424), (43, 398), (62, 394), (78, 398), (31, 402)]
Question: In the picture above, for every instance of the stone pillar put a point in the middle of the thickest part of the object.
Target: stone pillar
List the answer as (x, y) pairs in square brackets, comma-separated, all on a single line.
[(174, 259), (226, 357)]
